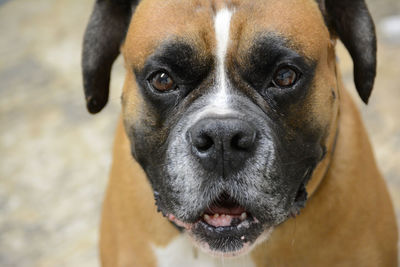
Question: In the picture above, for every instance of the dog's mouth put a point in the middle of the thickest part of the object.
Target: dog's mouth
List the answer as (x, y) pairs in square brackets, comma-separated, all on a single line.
[(225, 228), (225, 212)]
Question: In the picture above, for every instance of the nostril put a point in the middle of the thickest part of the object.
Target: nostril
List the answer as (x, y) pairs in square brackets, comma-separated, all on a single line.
[(203, 142), (236, 142), (243, 141)]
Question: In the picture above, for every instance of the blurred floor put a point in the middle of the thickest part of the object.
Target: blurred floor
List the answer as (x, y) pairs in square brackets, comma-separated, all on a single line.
[(55, 157)]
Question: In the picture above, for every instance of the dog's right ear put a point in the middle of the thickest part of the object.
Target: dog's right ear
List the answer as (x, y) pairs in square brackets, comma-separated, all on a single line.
[(104, 35)]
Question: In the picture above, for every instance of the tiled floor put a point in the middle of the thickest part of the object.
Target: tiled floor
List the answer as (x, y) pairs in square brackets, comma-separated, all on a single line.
[(55, 157)]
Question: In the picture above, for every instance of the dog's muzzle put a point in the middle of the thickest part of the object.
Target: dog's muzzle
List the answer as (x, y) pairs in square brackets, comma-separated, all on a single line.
[(222, 146)]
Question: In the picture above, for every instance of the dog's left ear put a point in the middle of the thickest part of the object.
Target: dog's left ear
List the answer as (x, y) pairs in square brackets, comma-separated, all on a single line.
[(351, 21), (104, 35)]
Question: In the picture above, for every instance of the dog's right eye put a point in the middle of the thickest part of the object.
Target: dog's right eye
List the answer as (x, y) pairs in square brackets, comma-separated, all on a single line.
[(162, 82)]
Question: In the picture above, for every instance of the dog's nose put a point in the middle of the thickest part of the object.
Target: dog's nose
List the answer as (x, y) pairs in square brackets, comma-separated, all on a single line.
[(222, 144)]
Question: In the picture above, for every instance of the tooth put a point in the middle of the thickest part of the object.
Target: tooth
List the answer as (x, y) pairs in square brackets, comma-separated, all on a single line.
[(243, 216), (216, 215), (206, 217)]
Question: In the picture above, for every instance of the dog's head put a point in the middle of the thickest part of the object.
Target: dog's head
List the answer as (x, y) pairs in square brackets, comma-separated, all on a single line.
[(229, 105)]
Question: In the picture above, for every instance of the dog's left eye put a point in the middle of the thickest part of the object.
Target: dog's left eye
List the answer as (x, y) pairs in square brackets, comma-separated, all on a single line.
[(161, 81), (285, 77)]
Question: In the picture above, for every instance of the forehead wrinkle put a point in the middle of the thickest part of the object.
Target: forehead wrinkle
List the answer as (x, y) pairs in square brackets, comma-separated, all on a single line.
[(175, 46), (279, 43)]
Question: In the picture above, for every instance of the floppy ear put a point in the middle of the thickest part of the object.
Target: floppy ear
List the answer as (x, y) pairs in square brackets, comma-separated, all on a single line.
[(104, 34), (351, 21)]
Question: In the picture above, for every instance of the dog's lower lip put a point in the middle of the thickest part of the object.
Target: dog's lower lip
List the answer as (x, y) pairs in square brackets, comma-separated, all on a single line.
[(225, 239), (228, 239)]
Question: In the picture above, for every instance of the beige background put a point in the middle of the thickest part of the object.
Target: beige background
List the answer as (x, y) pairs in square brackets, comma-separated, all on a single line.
[(55, 157)]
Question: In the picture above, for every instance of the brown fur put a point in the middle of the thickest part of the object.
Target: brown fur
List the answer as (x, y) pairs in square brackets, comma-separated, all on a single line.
[(348, 220)]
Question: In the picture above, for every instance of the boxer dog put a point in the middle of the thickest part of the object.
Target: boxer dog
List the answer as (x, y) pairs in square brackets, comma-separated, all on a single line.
[(236, 128)]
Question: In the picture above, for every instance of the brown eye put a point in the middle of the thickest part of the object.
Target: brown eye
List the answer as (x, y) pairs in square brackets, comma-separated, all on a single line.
[(161, 81), (285, 77)]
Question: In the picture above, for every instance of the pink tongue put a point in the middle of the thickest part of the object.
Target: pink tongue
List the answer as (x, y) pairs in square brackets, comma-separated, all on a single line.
[(236, 210), (220, 221)]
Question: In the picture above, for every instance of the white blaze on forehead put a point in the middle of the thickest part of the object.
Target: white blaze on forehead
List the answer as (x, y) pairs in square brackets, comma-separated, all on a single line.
[(222, 22)]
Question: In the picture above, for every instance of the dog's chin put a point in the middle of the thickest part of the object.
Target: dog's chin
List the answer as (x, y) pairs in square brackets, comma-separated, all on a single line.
[(229, 247), (233, 240), (225, 229)]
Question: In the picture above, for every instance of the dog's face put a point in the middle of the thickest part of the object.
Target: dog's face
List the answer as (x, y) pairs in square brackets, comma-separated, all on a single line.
[(228, 127), (229, 108)]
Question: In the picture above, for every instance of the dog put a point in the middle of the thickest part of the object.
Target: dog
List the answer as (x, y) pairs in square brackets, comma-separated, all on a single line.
[(238, 144)]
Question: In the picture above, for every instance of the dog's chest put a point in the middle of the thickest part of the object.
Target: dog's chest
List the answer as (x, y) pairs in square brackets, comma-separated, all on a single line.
[(181, 253)]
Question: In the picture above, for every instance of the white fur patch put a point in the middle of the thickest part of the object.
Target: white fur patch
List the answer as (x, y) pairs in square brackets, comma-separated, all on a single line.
[(181, 253), (222, 22)]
